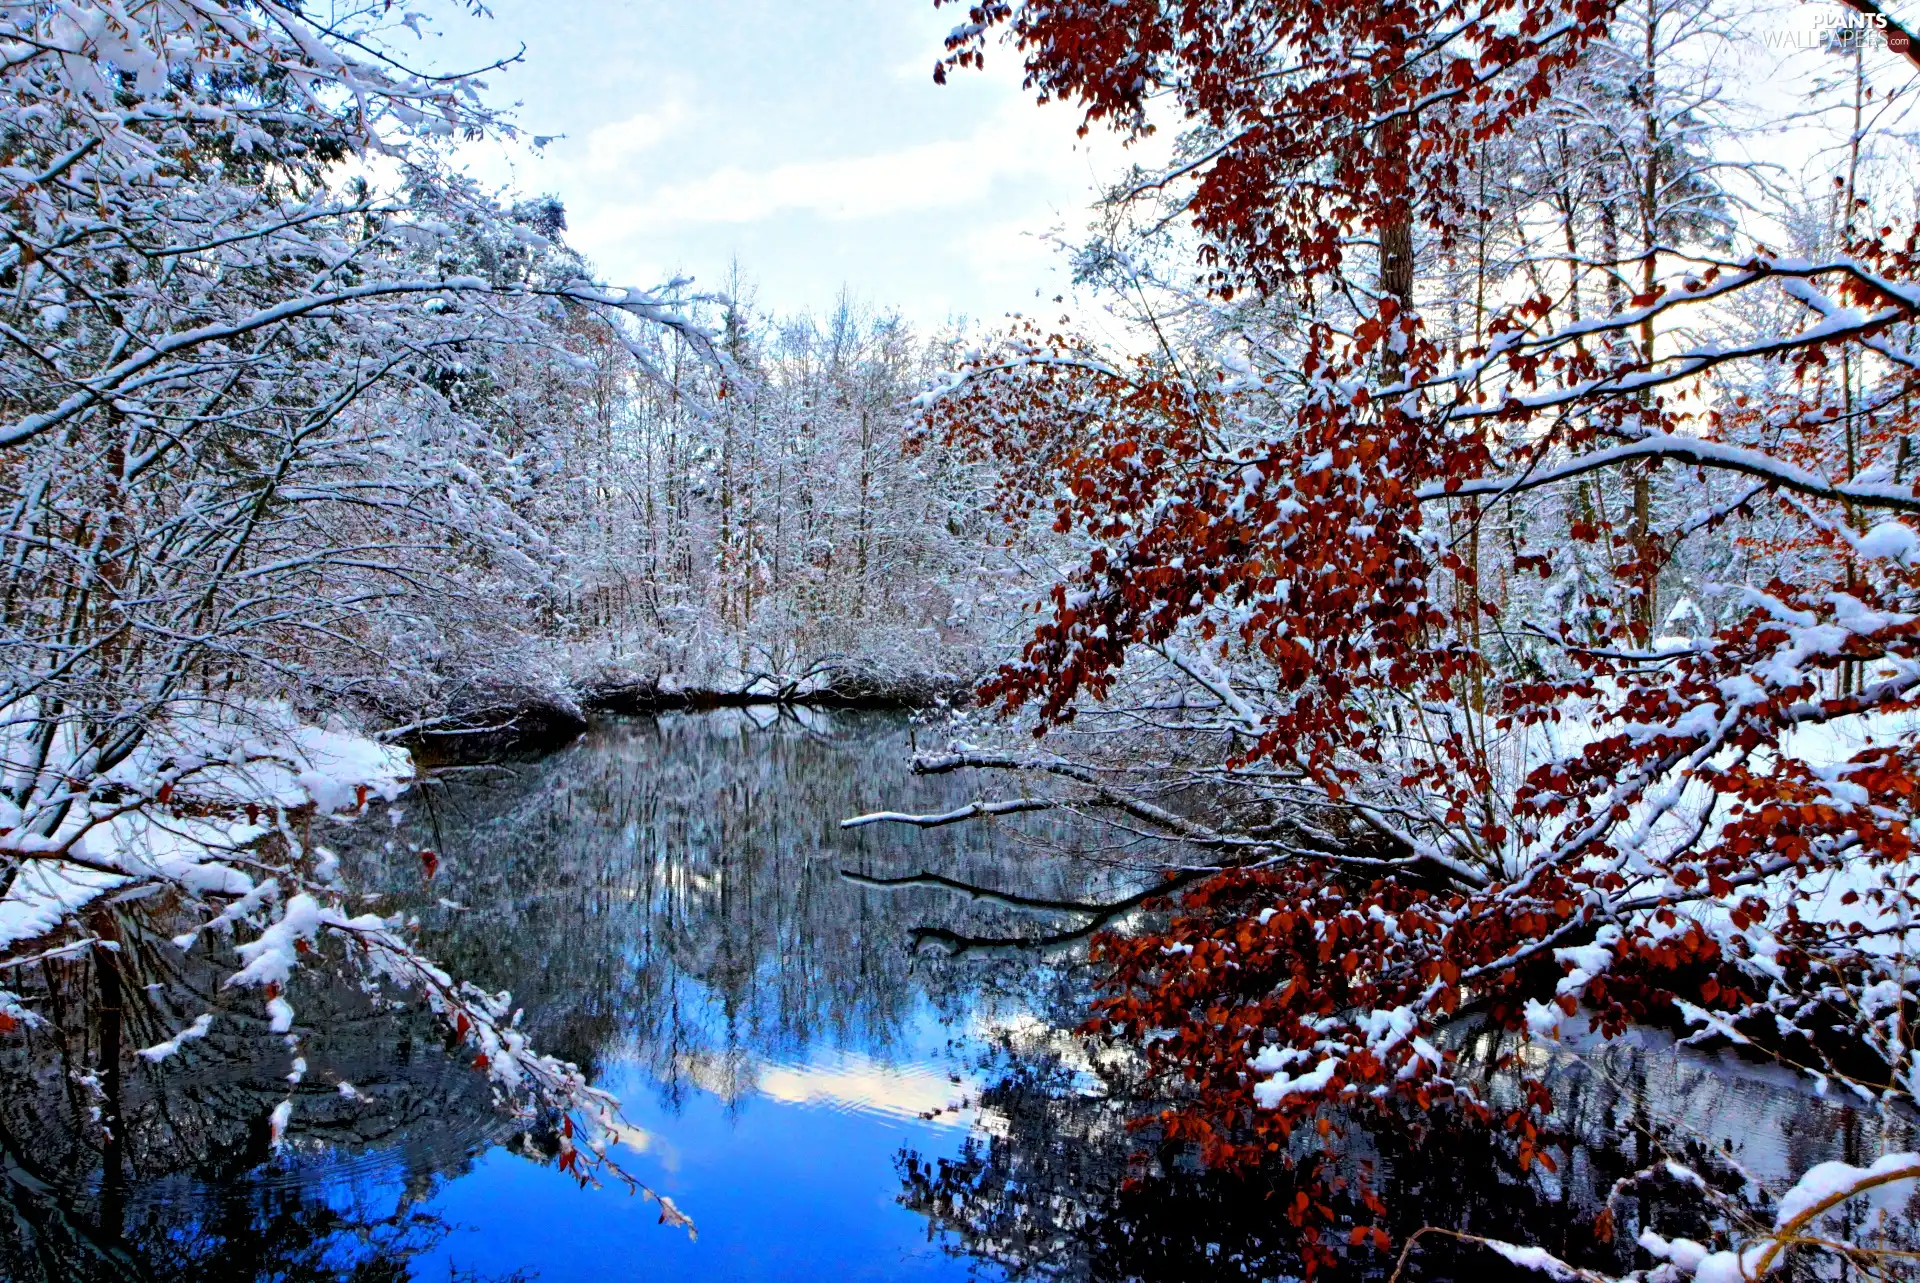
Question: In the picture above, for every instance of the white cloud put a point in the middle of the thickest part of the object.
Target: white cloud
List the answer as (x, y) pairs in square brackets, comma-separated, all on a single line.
[(932, 175), (612, 148)]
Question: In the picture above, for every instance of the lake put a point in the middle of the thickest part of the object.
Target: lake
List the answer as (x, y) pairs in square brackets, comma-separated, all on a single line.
[(669, 900)]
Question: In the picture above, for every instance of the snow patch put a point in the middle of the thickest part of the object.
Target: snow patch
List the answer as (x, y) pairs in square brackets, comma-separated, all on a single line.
[(1269, 1093)]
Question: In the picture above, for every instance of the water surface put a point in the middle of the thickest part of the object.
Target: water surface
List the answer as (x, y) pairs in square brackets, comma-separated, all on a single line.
[(666, 898)]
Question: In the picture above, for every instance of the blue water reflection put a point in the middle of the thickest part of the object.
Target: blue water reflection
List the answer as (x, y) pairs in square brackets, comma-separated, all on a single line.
[(794, 1180), (665, 898)]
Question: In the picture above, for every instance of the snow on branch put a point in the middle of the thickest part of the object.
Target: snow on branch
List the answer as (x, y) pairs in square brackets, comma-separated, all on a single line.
[(1691, 450), (972, 810)]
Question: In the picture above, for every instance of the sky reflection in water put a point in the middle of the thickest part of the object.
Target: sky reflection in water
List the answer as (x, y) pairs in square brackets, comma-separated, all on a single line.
[(775, 1047), (794, 1181)]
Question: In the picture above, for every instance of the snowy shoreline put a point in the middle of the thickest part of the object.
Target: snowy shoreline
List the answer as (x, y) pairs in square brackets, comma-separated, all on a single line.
[(540, 724)]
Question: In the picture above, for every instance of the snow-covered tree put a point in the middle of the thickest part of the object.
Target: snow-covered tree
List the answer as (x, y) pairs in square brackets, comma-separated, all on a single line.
[(255, 449)]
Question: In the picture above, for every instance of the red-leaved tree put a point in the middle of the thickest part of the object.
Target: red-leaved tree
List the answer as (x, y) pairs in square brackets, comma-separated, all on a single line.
[(1500, 566)]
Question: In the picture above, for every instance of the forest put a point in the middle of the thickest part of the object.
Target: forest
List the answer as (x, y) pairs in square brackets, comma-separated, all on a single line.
[(1470, 586)]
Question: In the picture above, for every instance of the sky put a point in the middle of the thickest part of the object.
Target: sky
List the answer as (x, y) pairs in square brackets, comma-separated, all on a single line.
[(808, 140)]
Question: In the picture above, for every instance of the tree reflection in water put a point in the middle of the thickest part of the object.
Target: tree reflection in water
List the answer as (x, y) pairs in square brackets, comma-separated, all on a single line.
[(165, 1172), (670, 889), (1059, 1186)]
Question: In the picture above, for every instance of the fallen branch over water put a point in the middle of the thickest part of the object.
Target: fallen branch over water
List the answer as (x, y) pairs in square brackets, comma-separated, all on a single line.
[(971, 811), (957, 942)]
